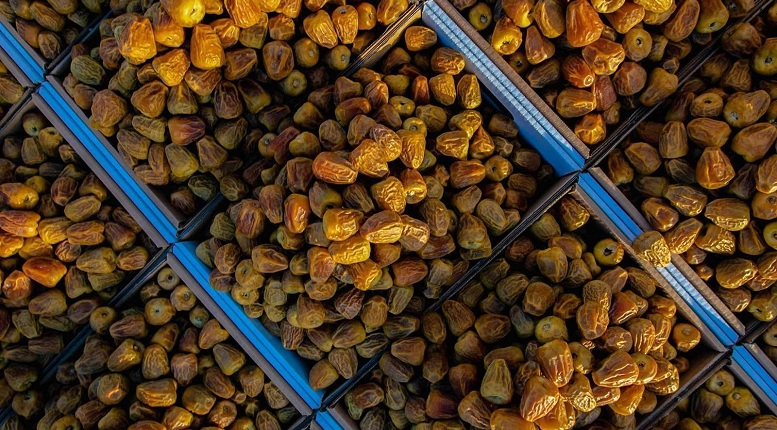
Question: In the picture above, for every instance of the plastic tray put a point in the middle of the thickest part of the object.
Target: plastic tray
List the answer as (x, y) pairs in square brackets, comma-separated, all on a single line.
[(727, 326), (703, 359), (13, 125), (283, 367), (103, 160), (752, 344), (334, 419), (28, 61), (549, 119), (296, 370), (536, 123), (170, 224), (76, 344)]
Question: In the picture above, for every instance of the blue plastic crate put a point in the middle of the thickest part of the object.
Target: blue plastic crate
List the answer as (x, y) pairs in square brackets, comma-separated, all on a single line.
[(709, 316), (755, 376), (326, 421), (31, 72), (287, 364), (533, 127), (158, 227)]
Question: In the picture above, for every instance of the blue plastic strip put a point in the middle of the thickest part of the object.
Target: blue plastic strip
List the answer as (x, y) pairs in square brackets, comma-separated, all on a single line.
[(707, 314), (534, 127), (326, 421), (742, 356), (288, 364), (11, 45), (111, 165)]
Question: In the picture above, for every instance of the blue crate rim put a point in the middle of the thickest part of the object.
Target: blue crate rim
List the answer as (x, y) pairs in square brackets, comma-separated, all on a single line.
[(567, 159), (287, 364), (118, 174), (709, 316), (23, 59)]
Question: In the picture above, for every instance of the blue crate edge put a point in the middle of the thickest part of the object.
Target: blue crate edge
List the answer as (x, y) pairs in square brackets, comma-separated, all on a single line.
[(533, 126), (326, 421), (720, 328), (20, 56), (288, 364), (86, 136), (755, 371)]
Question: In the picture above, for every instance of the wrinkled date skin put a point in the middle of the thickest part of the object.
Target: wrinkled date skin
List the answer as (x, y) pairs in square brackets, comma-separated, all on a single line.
[(371, 200), (503, 351), (173, 84), (67, 247), (707, 194), (182, 360), (639, 46)]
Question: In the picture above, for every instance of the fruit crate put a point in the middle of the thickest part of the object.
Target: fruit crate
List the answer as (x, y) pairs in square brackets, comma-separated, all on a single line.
[(535, 121), (253, 329), (605, 222), (102, 159), (14, 127), (742, 323), (747, 373), (284, 367), (172, 224), (728, 325), (703, 81), (29, 61), (691, 61), (143, 288)]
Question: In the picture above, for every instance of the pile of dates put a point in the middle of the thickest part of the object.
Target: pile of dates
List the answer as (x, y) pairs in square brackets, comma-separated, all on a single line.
[(704, 171), (163, 365), (385, 188), (11, 91), (721, 403), (560, 332), (66, 248), (49, 26), (596, 61), (178, 85)]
